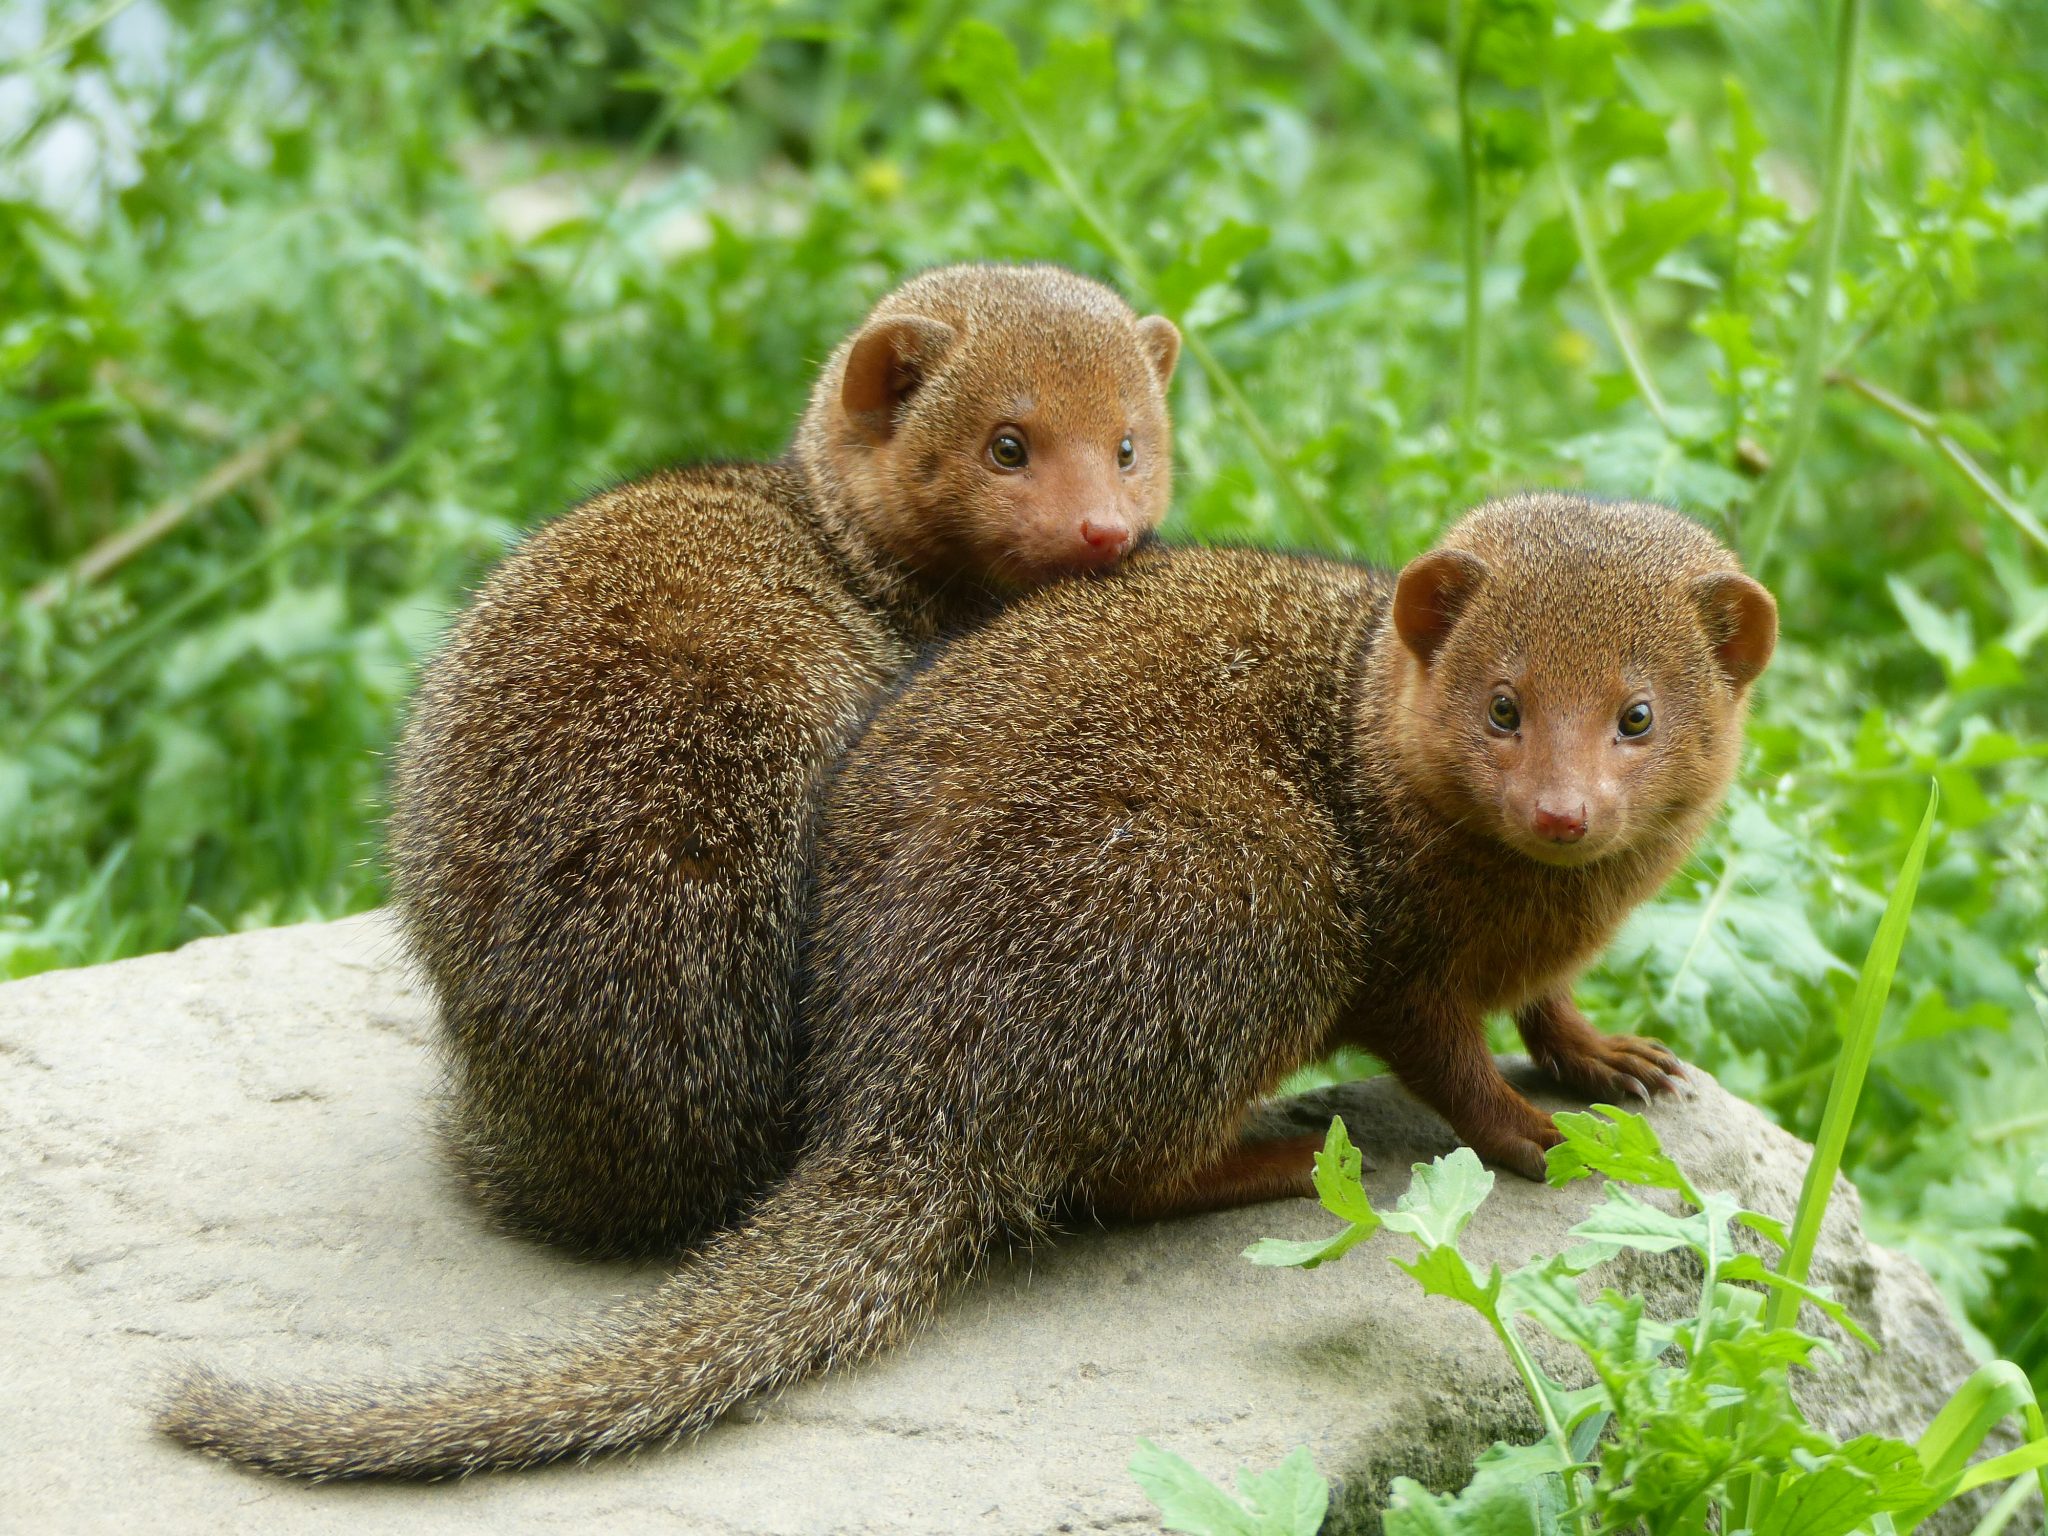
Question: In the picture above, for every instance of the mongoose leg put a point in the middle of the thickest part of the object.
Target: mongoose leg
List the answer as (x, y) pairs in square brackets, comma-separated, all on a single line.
[(1605, 1067), (1443, 1060), (1250, 1173)]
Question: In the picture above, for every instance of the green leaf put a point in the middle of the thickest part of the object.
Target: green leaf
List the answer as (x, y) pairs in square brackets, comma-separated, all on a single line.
[(1747, 1266), (1835, 1494), (1304, 1253), (1651, 231), (1339, 1178), (1187, 1500), (1768, 1226), (1515, 1491), (1549, 257), (1290, 1500), (1621, 1221), (1945, 636), (982, 61), (1441, 1199), (1617, 1143), (1993, 1391), (1738, 958), (1208, 263), (1619, 129), (1442, 1271)]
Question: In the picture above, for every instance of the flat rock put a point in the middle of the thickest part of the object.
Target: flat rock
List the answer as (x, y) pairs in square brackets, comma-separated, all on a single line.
[(225, 1154)]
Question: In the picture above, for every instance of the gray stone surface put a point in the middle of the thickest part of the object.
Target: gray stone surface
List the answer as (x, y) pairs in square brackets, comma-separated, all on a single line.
[(224, 1153)]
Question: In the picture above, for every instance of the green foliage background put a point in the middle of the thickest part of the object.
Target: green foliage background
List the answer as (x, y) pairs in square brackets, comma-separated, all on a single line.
[(352, 294)]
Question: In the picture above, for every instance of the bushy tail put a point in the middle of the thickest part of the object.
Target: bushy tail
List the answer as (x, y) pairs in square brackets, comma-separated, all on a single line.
[(836, 1264)]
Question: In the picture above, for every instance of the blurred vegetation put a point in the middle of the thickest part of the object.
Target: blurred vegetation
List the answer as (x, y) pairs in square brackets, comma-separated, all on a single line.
[(307, 311)]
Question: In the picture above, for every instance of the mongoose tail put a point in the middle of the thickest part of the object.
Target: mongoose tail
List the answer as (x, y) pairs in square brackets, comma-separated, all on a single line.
[(840, 1262)]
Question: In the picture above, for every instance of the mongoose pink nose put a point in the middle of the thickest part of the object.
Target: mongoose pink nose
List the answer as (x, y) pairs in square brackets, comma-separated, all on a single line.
[(1560, 826), (1106, 540)]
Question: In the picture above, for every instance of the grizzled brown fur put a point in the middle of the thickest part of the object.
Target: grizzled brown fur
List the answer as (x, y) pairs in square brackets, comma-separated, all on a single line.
[(603, 797), (1074, 920)]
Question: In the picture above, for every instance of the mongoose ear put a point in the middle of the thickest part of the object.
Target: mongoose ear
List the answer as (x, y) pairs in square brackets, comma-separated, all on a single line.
[(1427, 599), (887, 363), (1161, 342), (1741, 619)]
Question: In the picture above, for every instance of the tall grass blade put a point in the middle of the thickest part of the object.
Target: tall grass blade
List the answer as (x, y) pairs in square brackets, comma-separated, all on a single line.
[(1859, 1039)]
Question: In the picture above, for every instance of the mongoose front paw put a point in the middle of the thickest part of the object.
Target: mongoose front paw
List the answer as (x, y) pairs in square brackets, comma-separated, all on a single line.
[(1519, 1147), (1613, 1067)]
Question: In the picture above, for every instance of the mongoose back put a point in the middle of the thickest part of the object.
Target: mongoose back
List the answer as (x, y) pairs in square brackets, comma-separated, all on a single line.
[(1103, 874), (603, 796)]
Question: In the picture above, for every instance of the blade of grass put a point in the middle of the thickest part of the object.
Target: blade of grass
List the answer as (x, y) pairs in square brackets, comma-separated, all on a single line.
[(1859, 1040), (1957, 455), (1991, 1394)]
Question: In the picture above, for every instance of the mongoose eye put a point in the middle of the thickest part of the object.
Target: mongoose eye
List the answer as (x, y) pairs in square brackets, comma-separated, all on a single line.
[(1504, 713), (1635, 719), (1006, 451), (1126, 454)]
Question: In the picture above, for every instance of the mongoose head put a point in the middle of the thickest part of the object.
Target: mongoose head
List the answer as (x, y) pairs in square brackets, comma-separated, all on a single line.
[(1006, 423), (1574, 674)]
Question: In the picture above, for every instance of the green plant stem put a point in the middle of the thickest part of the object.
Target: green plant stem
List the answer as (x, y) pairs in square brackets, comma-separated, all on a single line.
[(1769, 507), (1957, 455), (1596, 272), (1470, 226), (2018, 1125), (1126, 256), (1553, 1429)]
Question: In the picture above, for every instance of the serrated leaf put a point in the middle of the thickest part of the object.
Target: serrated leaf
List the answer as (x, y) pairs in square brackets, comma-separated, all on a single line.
[(1614, 1142), (1516, 1490), (1187, 1500), (1339, 1178), (1622, 1221), (1304, 1253), (1441, 1198), (1747, 1266), (1442, 1271), (1291, 1499), (1836, 1494), (1339, 1171)]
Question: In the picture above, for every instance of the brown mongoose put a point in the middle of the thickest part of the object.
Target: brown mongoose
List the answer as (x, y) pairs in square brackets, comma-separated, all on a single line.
[(603, 796), (1102, 875)]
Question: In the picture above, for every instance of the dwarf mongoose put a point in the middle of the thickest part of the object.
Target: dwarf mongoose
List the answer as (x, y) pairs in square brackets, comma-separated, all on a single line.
[(1102, 875), (604, 794)]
